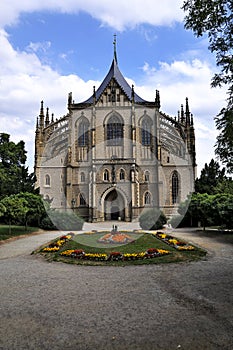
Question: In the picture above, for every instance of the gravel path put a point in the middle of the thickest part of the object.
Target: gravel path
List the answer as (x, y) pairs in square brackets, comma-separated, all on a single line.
[(60, 306)]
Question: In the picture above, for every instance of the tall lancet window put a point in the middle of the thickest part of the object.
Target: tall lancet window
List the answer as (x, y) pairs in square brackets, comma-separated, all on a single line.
[(147, 198), (114, 132), (83, 134), (146, 132), (175, 187)]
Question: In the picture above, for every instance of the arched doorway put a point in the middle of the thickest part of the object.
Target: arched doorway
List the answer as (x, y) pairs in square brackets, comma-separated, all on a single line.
[(114, 206)]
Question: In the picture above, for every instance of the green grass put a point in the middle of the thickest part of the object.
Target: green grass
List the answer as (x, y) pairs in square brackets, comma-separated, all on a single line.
[(145, 241), (15, 231)]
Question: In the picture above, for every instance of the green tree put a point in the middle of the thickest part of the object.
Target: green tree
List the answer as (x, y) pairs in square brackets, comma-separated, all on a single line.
[(224, 145), (223, 205), (200, 209), (208, 209), (14, 176), (211, 176), (16, 209), (215, 19), (225, 186), (36, 210), (2, 209)]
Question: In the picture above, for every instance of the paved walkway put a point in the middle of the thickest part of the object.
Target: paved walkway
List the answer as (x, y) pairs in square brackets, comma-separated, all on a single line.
[(58, 306)]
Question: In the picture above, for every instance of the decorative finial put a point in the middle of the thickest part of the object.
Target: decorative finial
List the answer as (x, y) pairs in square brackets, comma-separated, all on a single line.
[(187, 113), (191, 120), (37, 124), (114, 44), (69, 98), (182, 114), (157, 99), (42, 108), (47, 117), (94, 95), (132, 93)]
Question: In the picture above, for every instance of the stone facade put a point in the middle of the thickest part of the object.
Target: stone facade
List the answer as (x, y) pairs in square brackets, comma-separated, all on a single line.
[(115, 154)]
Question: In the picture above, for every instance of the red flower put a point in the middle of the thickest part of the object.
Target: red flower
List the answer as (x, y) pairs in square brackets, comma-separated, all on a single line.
[(152, 251), (79, 251)]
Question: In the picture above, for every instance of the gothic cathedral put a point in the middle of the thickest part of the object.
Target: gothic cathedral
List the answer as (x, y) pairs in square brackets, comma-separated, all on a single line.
[(115, 154)]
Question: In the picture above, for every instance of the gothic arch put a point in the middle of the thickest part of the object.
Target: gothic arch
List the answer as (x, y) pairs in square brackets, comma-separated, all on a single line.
[(82, 127), (81, 199), (114, 204), (147, 198), (122, 174), (147, 176), (145, 116), (175, 187), (113, 114), (145, 127), (47, 180)]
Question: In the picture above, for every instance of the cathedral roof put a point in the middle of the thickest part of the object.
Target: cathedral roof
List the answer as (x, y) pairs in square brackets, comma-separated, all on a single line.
[(114, 72)]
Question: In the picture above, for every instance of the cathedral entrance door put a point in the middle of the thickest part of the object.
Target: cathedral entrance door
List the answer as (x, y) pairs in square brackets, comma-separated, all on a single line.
[(114, 206), (115, 212)]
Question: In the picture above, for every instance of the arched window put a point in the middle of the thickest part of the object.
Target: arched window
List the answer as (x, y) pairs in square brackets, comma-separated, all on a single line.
[(46, 198), (82, 199), (114, 131), (146, 132), (147, 176), (122, 174), (147, 198), (175, 187), (83, 134), (106, 175), (47, 180), (82, 177)]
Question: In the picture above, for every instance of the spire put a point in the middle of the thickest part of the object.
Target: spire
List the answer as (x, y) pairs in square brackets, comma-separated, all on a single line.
[(157, 99), (178, 116), (94, 95), (187, 113), (37, 125), (182, 114), (41, 122), (47, 117), (132, 94), (114, 44), (69, 98), (42, 108)]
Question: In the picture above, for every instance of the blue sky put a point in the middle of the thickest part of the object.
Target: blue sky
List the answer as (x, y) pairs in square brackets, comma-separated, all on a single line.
[(51, 48)]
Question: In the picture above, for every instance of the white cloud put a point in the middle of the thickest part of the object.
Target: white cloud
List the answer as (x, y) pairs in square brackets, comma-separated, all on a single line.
[(181, 79), (25, 80), (39, 46), (118, 15)]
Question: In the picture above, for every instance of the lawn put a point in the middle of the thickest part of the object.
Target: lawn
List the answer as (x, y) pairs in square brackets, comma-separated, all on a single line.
[(15, 231), (89, 244)]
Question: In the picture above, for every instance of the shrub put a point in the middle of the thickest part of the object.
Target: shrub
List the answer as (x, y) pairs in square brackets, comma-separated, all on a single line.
[(62, 220), (152, 219)]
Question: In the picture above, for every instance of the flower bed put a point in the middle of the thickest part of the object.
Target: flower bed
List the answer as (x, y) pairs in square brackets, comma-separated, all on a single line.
[(175, 243), (56, 246), (114, 256), (143, 250)]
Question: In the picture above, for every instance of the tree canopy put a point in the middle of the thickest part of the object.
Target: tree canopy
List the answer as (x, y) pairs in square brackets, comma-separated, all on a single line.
[(215, 19), (211, 176), (14, 175)]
